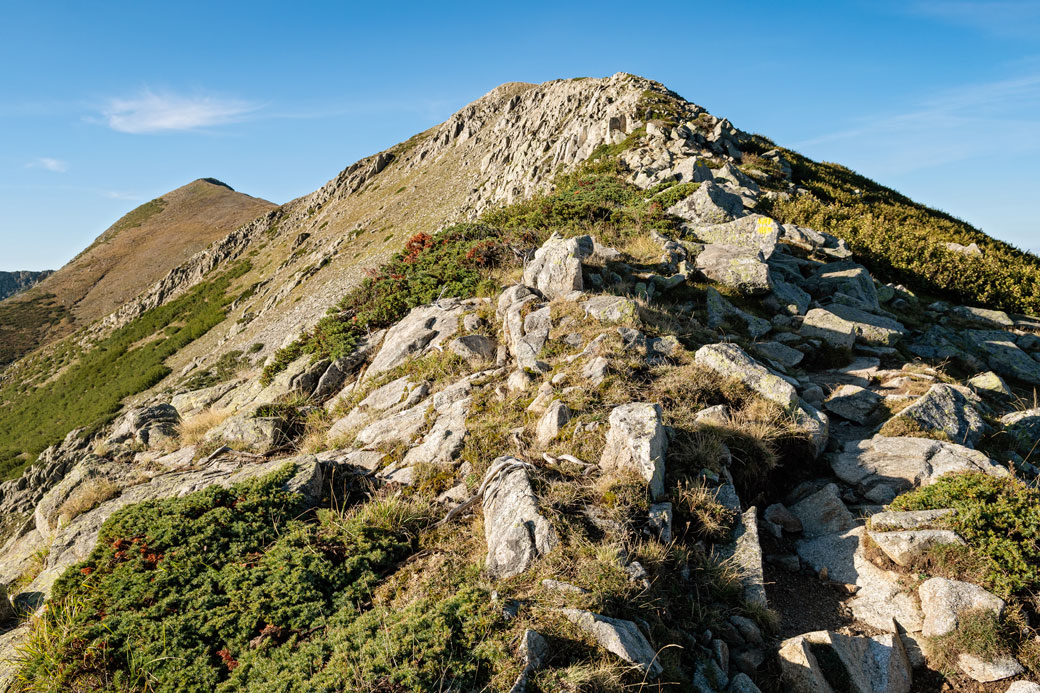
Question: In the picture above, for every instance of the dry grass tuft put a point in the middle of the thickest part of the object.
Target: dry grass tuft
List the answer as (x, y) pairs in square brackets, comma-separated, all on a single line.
[(86, 497), (194, 429)]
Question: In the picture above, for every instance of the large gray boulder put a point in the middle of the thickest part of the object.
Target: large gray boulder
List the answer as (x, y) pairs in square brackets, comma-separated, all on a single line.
[(944, 602), (903, 547), (709, 204), (823, 513), (943, 410), (556, 416), (149, 426), (985, 671), (846, 278), (730, 361), (423, 329), (517, 533), (753, 232), (1022, 429), (853, 403), (636, 442), (620, 637), (555, 270), (399, 394), (877, 664), (822, 324), (736, 267), (1003, 355), (885, 467), (870, 329)]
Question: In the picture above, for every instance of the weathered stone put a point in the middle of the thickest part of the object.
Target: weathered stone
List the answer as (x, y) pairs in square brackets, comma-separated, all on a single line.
[(790, 298), (970, 249), (620, 637), (596, 370), (1022, 429), (894, 520), (1023, 687), (1003, 355), (444, 440), (814, 426), (823, 513), (474, 348), (709, 677), (985, 316), (846, 278), (885, 467), (870, 329), (989, 383), (149, 426), (877, 664), (730, 361), (718, 414), (424, 328), (258, 434), (555, 417), (742, 683), (395, 396), (735, 267), (779, 515), (779, 353), (903, 547), (745, 552), (709, 204), (722, 312), (945, 410), (517, 533), (606, 308), (402, 426), (985, 671), (945, 601), (853, 403), (753, 232), (187, 402), (636, 442), (825, 325), (556, 268)]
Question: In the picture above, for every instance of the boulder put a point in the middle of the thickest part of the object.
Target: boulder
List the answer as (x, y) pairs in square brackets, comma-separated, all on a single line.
[(659, 520), (831, 328), (903, 547), (893, 520), (870, 329), (424, 328), (945, 601), (730, 361), (984, 316), (444, 440), (853, 403), (709, 204), (735, 267), (884, 467), (636, 442), (606, 308), (258, 434), (517, 533), (745, 553), (620, 637), (1003, 355), (1022, 429), (148, 426), (856, 664), (722, 312), (944, 410), (790, 298), (989, 383), (846, 278), (984, 671), (187, 402), (1023, 687), (779, 515), (753, 232), (555, 417), (823, 513), (778, 353), (555, 270), (400, 427), (970, 249), (474, 348)]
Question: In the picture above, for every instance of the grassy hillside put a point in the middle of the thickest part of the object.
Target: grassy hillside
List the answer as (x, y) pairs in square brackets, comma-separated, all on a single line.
[(136, 251)]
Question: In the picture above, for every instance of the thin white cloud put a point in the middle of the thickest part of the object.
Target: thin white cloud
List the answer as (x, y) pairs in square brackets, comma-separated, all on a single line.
[(949, 126), (49, 164), (152, 112), (121, 195)]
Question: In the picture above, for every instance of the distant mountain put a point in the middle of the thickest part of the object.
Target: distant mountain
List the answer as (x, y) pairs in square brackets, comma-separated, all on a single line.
[(132, 254), (13, 282)]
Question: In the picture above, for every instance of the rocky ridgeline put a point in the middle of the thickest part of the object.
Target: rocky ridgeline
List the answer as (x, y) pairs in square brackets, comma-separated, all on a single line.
[(833, 356), (13, 282), (822, 304)]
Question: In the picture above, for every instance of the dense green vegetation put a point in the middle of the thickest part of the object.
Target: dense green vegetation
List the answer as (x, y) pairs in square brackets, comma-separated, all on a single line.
[(999, 518), (904, 241), (24, 322), (236, 590), (88, 391)]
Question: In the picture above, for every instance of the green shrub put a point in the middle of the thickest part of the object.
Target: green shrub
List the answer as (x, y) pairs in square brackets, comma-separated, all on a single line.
[(998, 517), (235, 590), (89, 392)]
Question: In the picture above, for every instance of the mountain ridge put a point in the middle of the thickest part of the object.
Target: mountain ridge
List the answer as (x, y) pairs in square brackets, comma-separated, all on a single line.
[(587, 305)]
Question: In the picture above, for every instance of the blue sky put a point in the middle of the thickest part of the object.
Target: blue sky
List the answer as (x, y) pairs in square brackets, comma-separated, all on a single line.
[(105, 105)]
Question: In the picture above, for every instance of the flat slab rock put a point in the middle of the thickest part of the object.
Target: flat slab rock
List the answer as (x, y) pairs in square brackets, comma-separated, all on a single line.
[(730, 361), (945, 601), (877, 664), (636, 441), (424, 328), (885, 467), (620, 637), (946, 410)]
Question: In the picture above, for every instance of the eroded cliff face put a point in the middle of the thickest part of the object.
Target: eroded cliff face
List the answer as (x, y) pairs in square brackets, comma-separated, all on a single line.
[(664, 414), (13, 282)]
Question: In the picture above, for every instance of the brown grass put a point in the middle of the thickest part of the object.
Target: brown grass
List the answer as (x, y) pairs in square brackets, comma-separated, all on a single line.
[(86, 497), (193, 430)]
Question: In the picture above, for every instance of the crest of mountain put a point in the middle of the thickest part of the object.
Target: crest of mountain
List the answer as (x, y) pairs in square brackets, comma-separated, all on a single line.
[(13, 282), (582, 389), (136, 251)]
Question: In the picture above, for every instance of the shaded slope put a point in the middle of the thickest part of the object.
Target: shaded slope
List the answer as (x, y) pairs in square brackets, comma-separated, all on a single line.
[(14, 282)]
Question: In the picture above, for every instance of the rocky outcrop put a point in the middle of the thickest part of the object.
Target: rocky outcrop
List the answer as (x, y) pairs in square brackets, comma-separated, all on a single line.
[(730, 361), (620, 637), (636, 443), (517, 533), (555, 270)]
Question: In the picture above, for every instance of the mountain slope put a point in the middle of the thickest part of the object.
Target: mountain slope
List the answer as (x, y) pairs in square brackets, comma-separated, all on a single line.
[(127, 258), (13, 282), (583, 389)]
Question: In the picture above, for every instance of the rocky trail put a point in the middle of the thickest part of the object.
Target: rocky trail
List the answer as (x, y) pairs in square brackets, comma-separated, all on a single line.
[(877, 394)]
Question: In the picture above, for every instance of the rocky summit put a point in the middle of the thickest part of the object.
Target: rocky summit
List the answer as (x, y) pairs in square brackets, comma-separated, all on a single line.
[(585, 389)]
